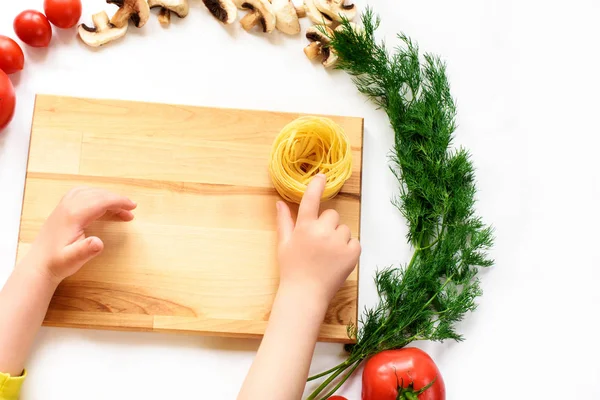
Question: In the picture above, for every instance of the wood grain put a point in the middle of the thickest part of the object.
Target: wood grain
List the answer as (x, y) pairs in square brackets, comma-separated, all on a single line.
[(200, 255)]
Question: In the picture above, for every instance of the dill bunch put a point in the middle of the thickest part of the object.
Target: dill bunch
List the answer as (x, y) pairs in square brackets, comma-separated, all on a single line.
[(424, 299)]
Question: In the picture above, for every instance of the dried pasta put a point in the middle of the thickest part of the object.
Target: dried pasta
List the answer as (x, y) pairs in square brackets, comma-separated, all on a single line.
[(305, 147)]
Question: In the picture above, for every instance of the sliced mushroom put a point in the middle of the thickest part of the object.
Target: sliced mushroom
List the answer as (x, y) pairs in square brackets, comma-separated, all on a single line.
[(103, 31), (286, 16), (300, 11), (329, 57), (164, 16), (315, 34), (319, 45), (260, 11), (179, 7), (313, 50), (336, 9), (135, 10), (223, 10), (316, 16)]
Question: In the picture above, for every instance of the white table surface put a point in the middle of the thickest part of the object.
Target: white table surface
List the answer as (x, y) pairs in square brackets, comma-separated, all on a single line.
[(525, 74)]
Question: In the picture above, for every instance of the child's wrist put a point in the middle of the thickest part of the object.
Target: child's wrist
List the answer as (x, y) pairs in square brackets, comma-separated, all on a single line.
[(305, 296), (39, 270)]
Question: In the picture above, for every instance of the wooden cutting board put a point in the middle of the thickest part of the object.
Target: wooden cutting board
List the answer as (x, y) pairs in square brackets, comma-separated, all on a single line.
[(201, 254)]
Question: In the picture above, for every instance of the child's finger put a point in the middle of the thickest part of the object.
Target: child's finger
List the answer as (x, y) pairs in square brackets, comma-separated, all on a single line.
[(331, 218), (355, 247), (311, 201), (125, 215), (82, 251), (104, 201), (121, 215), (344, 232), (108, 199), (285, 222)]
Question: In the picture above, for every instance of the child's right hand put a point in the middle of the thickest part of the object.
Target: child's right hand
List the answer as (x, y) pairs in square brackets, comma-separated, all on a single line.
[(316, 254), (61, 248)]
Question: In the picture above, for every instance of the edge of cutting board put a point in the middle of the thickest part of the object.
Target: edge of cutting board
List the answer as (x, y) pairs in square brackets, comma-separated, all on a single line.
[(258, 110), (171, 325)]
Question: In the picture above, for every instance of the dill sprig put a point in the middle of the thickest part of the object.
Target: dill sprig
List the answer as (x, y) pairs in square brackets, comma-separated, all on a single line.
[(424, 299)]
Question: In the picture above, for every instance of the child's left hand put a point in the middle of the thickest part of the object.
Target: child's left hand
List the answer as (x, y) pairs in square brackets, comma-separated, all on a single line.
[(59, 251), (61, 247)]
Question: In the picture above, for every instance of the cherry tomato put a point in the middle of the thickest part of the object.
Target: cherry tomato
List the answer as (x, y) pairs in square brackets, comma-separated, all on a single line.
[(33, 28), (7, 100), (337, 398), (402, 374), (63, 13), (11, 55)]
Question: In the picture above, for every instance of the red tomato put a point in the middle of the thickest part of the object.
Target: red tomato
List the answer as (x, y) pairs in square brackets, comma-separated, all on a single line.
[(33, 28), (337, 398), (11, 55), (7, 100), (391, 374), (63, 13)]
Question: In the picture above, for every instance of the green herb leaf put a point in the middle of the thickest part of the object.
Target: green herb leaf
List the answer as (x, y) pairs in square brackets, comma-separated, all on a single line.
[(426, 298)]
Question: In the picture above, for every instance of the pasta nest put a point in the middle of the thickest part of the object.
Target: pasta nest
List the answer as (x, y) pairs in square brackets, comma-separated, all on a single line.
[(306, 147)]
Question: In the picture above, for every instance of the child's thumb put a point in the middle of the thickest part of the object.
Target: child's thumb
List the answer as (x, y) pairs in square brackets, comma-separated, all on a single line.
[(83, 251), (285, 223)]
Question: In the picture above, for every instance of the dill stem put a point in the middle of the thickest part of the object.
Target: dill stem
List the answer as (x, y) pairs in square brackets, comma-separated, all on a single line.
[(429, 245), (448, 279), (413, 259), (312, 378), (325, 383), (343, 380)]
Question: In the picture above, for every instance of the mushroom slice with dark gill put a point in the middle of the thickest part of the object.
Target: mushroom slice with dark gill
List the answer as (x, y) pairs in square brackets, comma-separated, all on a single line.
[(223, 10), (137, 11), (319, 45), (260, 11), (103, 31), (180, 7), (329, 57)]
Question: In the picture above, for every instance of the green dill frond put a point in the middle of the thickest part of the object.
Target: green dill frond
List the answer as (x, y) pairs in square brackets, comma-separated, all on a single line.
[(425, 299)]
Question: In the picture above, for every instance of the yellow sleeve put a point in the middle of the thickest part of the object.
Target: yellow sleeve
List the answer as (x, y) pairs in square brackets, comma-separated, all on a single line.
[(10, 387)]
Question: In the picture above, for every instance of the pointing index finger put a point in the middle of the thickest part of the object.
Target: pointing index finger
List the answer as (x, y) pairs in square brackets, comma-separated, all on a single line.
[(311, 201)]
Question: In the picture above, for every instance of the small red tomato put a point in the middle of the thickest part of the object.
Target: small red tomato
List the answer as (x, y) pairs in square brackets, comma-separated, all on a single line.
[(33, 28), (337, 398), (11, 55), (7, 100), (63, 13)]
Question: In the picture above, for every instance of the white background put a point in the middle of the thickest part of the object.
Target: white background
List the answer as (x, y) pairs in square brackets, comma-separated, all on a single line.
[(526, 77)]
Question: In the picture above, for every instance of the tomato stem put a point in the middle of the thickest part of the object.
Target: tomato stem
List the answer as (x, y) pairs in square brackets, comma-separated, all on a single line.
[(409, 392)]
